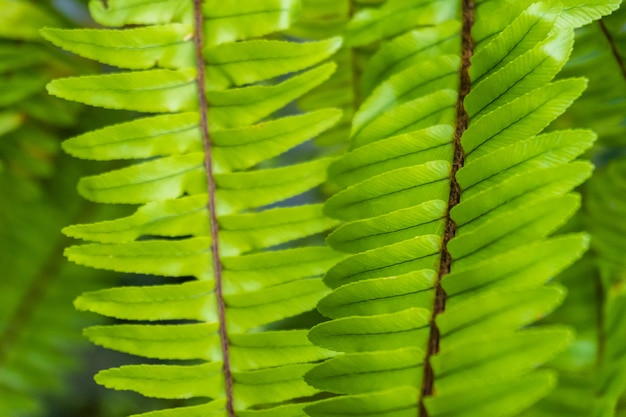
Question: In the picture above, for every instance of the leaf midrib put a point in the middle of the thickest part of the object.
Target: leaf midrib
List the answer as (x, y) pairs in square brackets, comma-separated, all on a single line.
[(211, 204), (461, 124)]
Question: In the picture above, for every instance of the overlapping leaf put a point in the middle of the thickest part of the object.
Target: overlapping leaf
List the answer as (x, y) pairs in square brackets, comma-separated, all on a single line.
[(363, 24)]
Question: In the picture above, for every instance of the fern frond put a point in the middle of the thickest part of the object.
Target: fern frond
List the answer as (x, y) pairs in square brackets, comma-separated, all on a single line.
[(452, 191), (207, 180)]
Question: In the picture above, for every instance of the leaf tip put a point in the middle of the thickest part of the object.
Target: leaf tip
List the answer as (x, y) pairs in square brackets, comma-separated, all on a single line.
[(55, 88), (585, 240), (80, 304), (45, 32), (335, 43)]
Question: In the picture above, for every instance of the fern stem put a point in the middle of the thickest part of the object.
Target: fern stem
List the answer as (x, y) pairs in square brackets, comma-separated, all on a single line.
[(445, 263), (618, 57), (208, 165)]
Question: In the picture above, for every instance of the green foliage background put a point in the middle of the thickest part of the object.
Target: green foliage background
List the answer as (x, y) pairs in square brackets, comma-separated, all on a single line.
[(46, 367)]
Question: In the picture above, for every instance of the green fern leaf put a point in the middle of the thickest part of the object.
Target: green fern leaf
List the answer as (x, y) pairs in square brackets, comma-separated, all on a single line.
[(206, 173), (451, 193)]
